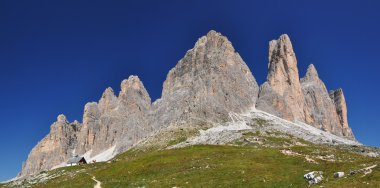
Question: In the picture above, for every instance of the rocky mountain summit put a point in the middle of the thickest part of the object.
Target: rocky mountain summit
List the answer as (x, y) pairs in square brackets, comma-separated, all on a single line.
[(306, 100), (118, 121), (209, 84)]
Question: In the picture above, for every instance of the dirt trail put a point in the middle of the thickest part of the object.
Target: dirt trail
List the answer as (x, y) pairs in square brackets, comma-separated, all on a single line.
[(98, 183)]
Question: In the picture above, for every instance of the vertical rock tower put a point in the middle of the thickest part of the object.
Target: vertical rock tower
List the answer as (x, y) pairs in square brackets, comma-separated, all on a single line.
[(306, 100), (341, 108), (282, 94)]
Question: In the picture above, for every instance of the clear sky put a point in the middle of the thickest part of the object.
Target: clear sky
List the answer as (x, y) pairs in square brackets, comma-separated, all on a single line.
[(57, 55)]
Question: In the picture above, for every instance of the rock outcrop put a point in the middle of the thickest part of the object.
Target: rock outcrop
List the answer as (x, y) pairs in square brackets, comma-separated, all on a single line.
[(282, 94), (341, 108), (54, 149), (322, 109), (306, 100), (208, 83), (116, 121)]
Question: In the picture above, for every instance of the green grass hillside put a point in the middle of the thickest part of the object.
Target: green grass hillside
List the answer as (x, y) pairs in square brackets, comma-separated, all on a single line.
[(257, 159), (217, 166)]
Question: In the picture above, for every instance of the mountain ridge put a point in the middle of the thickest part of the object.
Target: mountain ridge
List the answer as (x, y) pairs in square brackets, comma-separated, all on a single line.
[(209, 83)]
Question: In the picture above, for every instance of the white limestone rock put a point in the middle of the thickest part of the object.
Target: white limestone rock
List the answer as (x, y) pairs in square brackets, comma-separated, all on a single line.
[(208, 83)]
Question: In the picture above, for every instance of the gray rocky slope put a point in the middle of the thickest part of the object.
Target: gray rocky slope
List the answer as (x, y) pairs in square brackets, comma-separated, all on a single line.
[(207, 85)]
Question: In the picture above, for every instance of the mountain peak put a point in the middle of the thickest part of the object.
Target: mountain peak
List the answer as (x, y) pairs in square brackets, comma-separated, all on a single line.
[(108, 100), (311, 73), (62, 118), (282, 63), (213, 41), (133, 89), (282, 93), (281, 46), (210, 81), (108, 92), (213, 32), (133, 82), (211, 84)]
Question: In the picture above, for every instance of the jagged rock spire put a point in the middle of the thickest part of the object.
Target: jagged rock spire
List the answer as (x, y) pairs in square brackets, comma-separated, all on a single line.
[(108, 102), (311, 78), (108, 93), (116, 121), (321, 107), (341, 107), (311, 72), (133, 86), (62, 118), (133, 82), (307, 100), (281, 94), (282, 67)]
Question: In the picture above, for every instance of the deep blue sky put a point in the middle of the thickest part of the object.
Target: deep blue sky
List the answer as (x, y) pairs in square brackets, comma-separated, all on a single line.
[(56, 56)]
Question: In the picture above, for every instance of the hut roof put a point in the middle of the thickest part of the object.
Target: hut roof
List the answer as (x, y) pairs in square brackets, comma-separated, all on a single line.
[(75, 160)]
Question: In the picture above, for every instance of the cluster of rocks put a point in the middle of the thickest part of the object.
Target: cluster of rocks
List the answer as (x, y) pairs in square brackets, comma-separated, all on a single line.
[(209, 83), (365, 171), (362, 150), (314, 177)]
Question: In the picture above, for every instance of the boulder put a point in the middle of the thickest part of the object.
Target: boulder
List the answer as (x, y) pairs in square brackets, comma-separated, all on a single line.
[(338, 174), (314, 177)]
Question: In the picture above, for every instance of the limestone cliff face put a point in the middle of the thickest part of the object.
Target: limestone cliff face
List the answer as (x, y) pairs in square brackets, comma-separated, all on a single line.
[(208, 83), (341, 108), (116, 121), (307, 100), (55, 148), (282, 94), (323, 113)]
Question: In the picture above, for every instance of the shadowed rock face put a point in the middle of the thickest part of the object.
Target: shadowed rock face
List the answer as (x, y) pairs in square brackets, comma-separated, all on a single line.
[(55, 148), (322, 109), (341, 108)]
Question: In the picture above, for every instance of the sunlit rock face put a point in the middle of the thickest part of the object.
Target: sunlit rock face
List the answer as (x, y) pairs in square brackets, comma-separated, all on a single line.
[(116, 120), (55, 148), (208, 83), (306, 100), (282, 94)]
